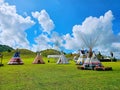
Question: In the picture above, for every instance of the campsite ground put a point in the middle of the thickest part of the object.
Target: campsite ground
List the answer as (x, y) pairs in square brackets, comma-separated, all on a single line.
[(51, 76)]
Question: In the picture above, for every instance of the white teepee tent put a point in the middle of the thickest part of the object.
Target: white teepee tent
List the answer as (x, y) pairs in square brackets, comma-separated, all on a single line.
[(62, 59), (92, 62), (82, 57)]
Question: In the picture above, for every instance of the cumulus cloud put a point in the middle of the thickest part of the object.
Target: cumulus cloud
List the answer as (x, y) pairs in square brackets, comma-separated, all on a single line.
[(96, 31), (45, 41), (71, 42), (13, 26), (44, 20), (57, 40), (41, 43), (48, 39)]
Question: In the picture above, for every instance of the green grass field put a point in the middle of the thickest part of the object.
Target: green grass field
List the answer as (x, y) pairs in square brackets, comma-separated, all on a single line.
[(51, 76)]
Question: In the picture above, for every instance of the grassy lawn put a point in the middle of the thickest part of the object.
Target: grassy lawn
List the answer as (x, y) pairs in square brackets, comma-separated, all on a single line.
[(51, 76)]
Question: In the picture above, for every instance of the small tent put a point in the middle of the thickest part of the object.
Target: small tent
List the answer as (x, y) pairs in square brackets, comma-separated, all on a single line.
[(38, 59), (62, 59), (16, 60)]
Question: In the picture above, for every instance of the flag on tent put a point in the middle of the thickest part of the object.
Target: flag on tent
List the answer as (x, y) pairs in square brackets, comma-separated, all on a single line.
[(16, 60)]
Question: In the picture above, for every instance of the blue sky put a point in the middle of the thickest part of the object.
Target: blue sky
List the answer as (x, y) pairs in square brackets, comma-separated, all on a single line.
[(65, 19), (68, 11)]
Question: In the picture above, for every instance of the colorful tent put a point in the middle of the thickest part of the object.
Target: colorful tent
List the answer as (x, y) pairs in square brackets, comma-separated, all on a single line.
[(16, 60), (38, 59)]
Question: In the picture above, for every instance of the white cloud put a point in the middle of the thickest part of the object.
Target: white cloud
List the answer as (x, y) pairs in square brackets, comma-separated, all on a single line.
[(1, 2), (44, 20), (116, 45), (91, 29), (57, 40), (41, 43), (13, 26), (45, 41), (71, 42)]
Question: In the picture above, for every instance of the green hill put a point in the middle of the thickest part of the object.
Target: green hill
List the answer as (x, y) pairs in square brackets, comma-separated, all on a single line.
[(24, 53), (4, 48), (8, 51), (28, 53), (49, 52)]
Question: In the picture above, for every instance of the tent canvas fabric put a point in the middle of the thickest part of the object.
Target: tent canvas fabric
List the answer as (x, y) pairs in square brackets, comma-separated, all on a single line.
[(93, 61), (16, 60), (81, 58), (38, 59), (62, 60)]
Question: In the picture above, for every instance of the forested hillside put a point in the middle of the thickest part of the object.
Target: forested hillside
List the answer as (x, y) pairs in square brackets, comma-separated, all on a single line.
[(5, 48)]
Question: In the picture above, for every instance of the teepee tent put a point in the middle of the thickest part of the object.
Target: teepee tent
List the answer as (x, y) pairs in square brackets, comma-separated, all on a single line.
[(92, 62), (82, 57), (16, 60), (38, 59), (90, 41), (62, 59)]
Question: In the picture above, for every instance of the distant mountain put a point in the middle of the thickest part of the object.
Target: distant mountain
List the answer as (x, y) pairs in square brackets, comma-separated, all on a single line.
[(4, 48)]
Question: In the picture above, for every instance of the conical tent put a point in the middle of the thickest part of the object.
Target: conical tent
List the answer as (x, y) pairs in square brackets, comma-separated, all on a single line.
[(62, 60), (16, 60), (93, 61), (38, 59), (81, 58)]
